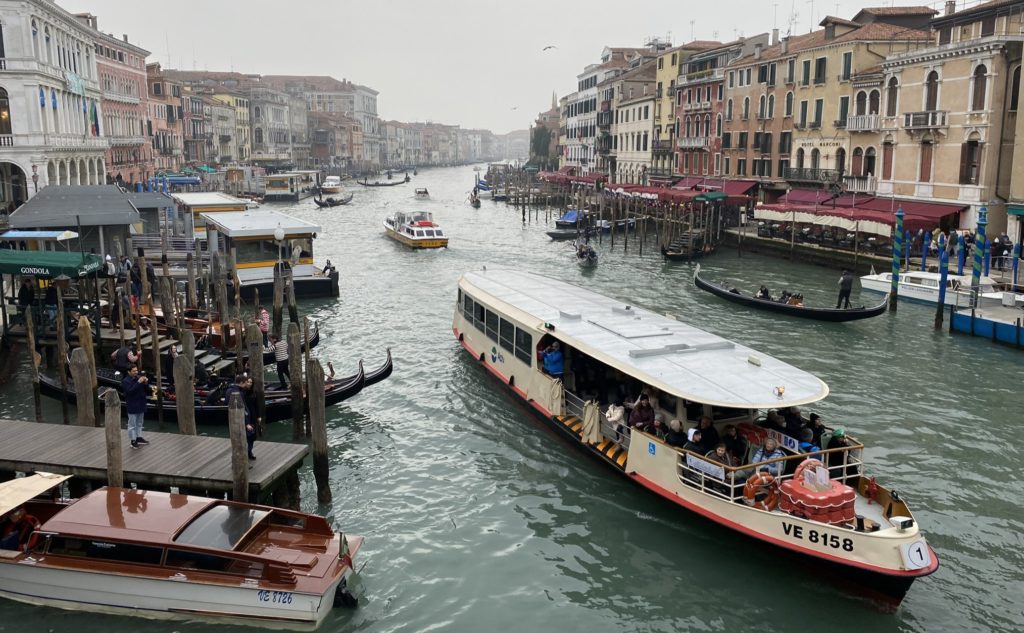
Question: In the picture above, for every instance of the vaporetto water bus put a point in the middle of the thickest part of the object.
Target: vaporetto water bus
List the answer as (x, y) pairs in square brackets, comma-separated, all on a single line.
[(835, 515), (415, 230)]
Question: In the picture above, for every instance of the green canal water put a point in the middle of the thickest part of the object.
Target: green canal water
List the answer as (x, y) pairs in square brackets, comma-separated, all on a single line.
[(478, 519)]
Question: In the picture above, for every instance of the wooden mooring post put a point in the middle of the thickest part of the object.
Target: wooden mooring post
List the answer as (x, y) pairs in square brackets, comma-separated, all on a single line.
[(239, 449), (318, 424), (295, 378), (82, 374), (112, 426), (30, 333), (62, 355), (185, 392), (278, 302), (254, 345), (154, 335)]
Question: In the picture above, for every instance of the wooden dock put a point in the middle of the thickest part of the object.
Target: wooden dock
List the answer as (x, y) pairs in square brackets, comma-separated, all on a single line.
[(194, 464)]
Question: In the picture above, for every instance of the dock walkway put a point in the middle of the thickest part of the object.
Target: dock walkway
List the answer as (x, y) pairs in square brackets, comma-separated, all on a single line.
[(192, 463)]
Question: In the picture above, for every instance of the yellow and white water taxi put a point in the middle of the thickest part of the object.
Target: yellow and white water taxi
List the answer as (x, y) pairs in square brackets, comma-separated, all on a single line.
[(416, 230), (821, 505)]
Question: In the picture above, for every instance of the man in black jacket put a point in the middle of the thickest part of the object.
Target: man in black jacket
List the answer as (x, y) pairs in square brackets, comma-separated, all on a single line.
[(845, 287)]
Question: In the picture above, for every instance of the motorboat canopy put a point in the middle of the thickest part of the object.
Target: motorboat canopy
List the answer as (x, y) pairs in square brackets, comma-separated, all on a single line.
[(17, 492), (667, 354)]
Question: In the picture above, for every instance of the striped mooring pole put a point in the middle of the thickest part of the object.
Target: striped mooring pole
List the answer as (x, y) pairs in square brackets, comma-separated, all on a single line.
[(897, 248), (979, 255)]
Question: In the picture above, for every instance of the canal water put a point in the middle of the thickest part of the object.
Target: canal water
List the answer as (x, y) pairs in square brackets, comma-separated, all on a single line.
[(478, 519)]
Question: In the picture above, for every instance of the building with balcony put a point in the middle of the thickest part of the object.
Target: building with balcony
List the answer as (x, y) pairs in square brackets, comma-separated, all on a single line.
[(194, 125), (121, 71), (222, 124), (271, 126), (165, 127), (634, 128), (700, 106), (51, 111), (950, 130)]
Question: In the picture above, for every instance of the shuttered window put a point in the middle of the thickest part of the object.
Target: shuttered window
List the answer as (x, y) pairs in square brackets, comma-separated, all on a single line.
[(925, 173)]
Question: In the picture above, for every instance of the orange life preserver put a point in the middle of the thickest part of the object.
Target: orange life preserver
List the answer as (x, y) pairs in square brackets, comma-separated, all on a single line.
[(757, 483), (811, 463)]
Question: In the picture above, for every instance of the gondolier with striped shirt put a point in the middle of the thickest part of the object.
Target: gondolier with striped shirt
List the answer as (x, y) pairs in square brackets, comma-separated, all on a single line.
[(279, 345)]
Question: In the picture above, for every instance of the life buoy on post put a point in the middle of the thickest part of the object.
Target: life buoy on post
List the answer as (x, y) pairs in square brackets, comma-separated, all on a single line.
[(761, 482), (813, 464)]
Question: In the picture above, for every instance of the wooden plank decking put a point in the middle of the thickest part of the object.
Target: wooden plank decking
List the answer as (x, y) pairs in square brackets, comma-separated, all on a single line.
[(191, 462)]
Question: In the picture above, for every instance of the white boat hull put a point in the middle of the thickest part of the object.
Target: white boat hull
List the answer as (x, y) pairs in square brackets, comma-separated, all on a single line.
[(928, 294), (171, 598)]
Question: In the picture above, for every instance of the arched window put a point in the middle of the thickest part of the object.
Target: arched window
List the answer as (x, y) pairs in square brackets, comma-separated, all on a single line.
[(800, 158), (891, 95), (5, 113), (869, 162), (887, 155), (707, 125), (873, 100), (746, 107), (815, 158), (857, 166), (35, 39), (789, 104), (728, 110), (762, 107), (1015, 89), (980, 82), (931, 92), (718, 126), (841, 160), (686, 127), (257, 135), (771, 106), (861, 104)]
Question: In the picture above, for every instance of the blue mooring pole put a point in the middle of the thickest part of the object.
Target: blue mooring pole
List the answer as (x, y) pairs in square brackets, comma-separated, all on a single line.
[(897, 247), (1016, 260), (961, 254), (925, 243), (979, 255), (988, 256), (943, 277)]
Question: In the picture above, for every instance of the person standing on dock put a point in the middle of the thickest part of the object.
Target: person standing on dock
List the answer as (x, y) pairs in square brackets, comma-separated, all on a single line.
[(280, 348), (845, 287), (243, 387), (135, 388), (26, 296), (264, 323)]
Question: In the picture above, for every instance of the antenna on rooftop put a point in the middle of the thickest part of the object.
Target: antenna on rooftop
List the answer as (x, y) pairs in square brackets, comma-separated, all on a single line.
[(691, 29)]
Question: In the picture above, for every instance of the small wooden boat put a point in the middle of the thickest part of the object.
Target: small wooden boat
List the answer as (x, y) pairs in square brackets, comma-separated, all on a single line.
[(571, 219), (570, 234), (818, 314), (605, 226), (333, 202), (682, 251), (474, 202), (332, 184), (586, 256), (415, 230), (383, 184), (171, 556)]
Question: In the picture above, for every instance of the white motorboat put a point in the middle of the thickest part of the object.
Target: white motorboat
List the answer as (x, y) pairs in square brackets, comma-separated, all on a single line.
[(923, 286), (829, 511), (422, 194), (171, 556), (332, 185), (415, 230)]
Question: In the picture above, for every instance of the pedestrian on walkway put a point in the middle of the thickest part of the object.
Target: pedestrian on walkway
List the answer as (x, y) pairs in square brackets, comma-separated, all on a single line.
[(135, 387)]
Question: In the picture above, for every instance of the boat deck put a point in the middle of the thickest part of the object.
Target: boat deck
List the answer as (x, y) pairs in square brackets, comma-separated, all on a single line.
[(197, 463)]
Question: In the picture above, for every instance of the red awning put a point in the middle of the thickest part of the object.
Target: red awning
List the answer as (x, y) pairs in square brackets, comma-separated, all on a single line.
[(916, 214), (568, 169), (737, 187)]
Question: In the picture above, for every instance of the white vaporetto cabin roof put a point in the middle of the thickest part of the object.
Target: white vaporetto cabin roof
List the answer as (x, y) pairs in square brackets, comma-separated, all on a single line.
[(257, 223), (207, 199), (667, 354)]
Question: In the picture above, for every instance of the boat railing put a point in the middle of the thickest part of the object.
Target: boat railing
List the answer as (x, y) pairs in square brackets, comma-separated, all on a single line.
[(573, 404), (698, 471)]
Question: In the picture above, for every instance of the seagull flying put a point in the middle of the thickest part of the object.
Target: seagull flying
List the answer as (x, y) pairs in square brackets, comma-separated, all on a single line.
[(548, 47), (515, 107)]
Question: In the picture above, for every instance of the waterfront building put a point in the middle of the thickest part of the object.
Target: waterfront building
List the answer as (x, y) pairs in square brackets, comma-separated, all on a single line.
[(51, 114), (298, 130), (102, 215), (788, 105), (950, 130), (194, 125), (223, 124), (699, 106), (121, 71), (632, 101), (242, 141), (271, 127), (664, 165), (165, 114), (544, 138), (394, 140)]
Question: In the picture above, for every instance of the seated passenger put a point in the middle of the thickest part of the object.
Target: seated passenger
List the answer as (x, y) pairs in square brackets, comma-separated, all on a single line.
[(763, 293), (817, 427), (719, 455), (736, 445), (796, 300), (675, 435), (794, 422), (694, 444), (658, 428), (770, 450), (835, 460), (554, 362), (708, 433), (642, 415), (807, 444), (774, 422), (16, 528), (784, 297)]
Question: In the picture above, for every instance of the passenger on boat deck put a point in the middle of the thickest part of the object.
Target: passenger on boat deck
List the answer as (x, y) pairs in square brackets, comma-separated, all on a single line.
[(807, 443), (817, 427), (616, 415), (770, 450), (763, 293), (796, 300), (835, 460), (774, 421), (554, 362), (642, 415), (693, 443), (658, 428), (708, 433), (719, 454), (736, 445), (16, 528), (784, 297), (675, 435), (793, 422)]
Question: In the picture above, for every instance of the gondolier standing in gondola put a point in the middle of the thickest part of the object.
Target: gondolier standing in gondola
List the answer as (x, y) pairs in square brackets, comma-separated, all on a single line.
[(280, 348), (845, 287)]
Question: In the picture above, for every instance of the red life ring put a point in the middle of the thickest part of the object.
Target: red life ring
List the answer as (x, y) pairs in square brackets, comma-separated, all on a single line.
[(758, 483), (811, 463)]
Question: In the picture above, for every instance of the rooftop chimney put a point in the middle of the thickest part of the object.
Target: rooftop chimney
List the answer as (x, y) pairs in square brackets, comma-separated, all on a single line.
[(785, 45), (775, 36), (950, 7), (124, 36), (757, 51)]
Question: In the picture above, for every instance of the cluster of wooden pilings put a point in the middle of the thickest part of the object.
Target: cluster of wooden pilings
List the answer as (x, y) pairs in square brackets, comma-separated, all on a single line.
[(203, 291)]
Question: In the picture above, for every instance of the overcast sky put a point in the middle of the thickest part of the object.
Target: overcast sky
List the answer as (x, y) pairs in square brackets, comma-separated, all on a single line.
[(474, 63)]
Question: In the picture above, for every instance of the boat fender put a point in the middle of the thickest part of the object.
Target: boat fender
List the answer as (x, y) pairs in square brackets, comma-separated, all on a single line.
[(483, 357), (511, 381), (763, 482), (462, 337)]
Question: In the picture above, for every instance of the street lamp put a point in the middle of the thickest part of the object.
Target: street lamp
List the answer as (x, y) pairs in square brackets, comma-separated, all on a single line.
[(279, 238)]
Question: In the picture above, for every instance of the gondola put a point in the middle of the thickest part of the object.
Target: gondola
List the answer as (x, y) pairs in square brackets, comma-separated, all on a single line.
[(474, 202), (278, 403), (819, 314), (570, 234), (383, 184), (333, 202)]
